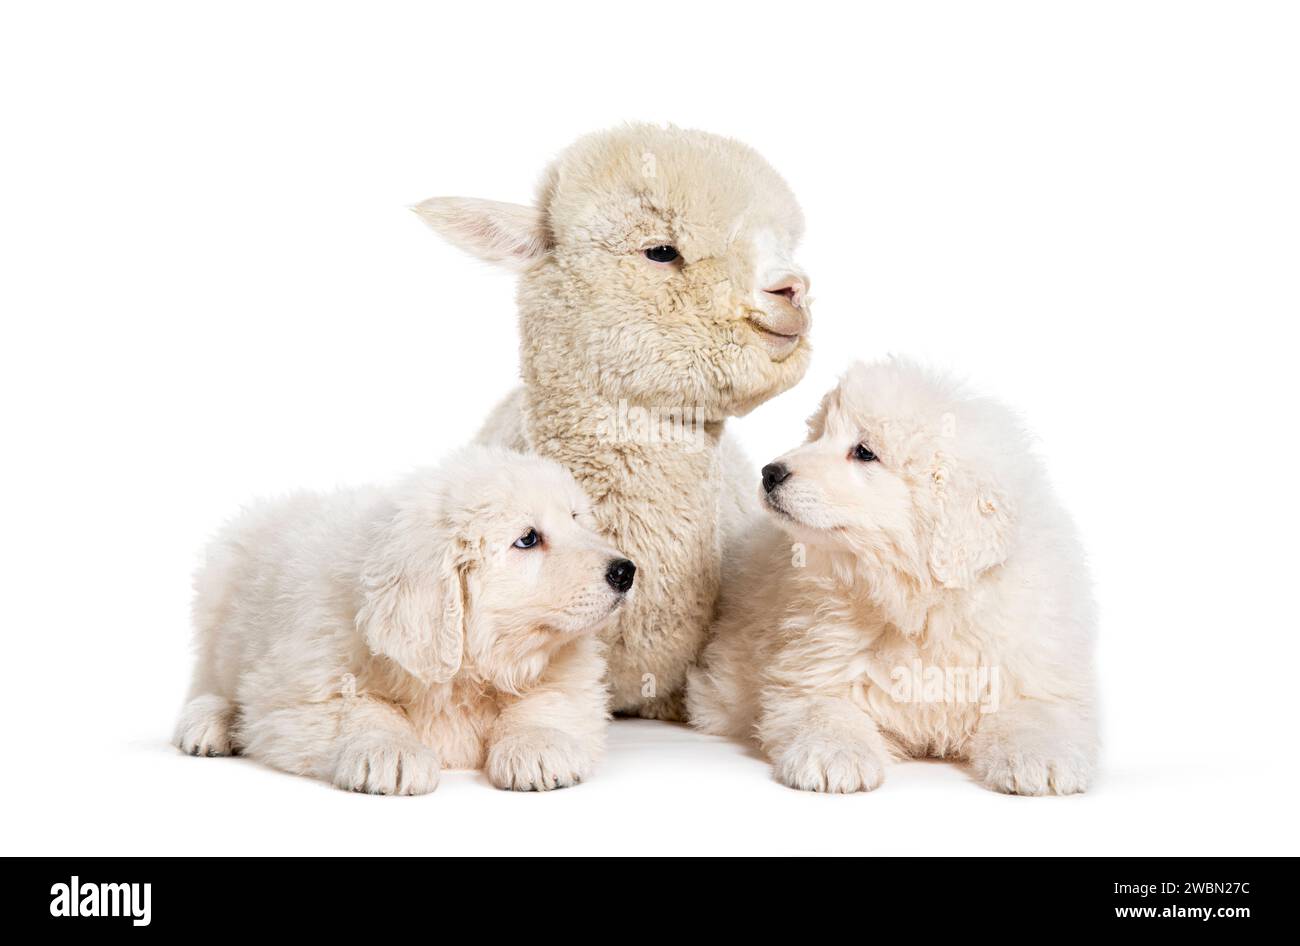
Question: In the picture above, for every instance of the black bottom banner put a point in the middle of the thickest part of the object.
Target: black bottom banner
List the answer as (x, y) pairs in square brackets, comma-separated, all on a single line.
[(137, 896)]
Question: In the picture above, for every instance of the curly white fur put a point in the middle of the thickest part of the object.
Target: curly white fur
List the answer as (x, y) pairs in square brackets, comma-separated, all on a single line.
[(604, 330), (941, 550), (376, 636)]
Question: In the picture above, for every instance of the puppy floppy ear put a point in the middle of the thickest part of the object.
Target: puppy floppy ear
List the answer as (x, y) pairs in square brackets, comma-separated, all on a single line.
[(972, 529), (415, 607), (817, 423), (510, 234)]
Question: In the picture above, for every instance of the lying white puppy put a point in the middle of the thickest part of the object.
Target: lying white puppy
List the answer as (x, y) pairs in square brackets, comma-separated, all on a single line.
[(373, 637), (934, 602)]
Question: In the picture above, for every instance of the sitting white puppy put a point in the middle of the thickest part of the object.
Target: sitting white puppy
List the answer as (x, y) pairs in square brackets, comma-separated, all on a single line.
[(934, 602), (373, 637)]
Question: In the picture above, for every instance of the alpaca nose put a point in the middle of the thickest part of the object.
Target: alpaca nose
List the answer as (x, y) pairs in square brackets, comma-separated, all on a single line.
[(774, 474), (793, 287), (620, 575)]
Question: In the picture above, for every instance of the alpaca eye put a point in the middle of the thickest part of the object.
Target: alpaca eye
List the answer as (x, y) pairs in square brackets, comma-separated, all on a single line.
[(863, 452), (662, 254), (528, 539)]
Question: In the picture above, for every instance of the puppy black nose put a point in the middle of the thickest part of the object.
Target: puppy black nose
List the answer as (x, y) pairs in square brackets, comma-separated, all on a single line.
[(774, 474), (620, 575)]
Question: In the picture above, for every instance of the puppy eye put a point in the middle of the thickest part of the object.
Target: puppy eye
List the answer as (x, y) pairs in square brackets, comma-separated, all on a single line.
[(528, 539), (863, 452), (662, 254)]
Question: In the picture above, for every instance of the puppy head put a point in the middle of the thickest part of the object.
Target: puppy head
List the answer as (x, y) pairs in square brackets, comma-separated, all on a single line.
[(905, 471), (489, 562)]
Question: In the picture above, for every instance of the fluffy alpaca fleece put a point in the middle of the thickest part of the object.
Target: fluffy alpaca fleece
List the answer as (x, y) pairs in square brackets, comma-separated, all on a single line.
[(918, 592), (617, 348), (373, 637)]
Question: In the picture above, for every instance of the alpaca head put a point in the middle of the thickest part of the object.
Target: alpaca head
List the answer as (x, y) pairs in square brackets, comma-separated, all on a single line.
[(657, 266)]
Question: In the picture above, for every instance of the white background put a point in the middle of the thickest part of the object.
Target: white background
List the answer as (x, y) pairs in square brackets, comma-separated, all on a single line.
[(213, 290)]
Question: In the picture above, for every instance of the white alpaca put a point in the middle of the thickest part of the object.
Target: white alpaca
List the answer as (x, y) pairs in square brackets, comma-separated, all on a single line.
[(658, 296), (918, 592), (373, 637)]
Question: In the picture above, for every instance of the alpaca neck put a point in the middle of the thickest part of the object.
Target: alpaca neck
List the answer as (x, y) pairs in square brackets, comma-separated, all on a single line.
[(566, 420)]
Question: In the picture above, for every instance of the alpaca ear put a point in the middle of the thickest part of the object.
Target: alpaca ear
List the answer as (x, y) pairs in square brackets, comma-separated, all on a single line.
[(414, 612), (510, 234), (973, 528)]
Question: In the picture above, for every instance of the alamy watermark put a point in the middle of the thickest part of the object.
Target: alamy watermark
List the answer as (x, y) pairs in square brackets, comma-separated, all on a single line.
[(633, 423), (918, 683), (124, 900)]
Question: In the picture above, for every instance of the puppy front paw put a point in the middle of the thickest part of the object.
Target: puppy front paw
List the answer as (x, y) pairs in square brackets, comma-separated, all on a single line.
[(1036, 748), (205, 727), (1015, 771), (381, 765), (537, 760), (823, 762)]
